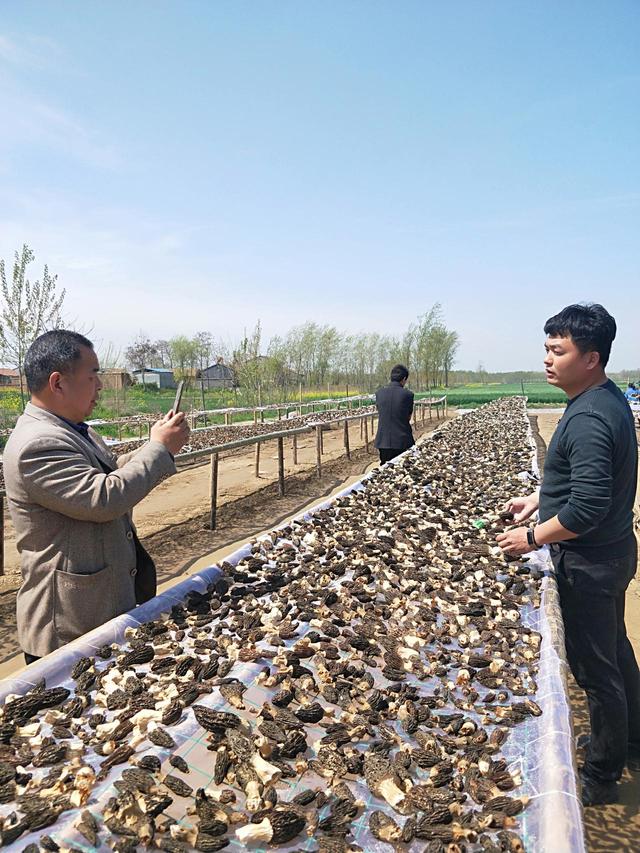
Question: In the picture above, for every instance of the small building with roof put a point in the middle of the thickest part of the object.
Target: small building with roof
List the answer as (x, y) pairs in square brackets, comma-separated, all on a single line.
[(158, 377), (9, 378), (218, 375)]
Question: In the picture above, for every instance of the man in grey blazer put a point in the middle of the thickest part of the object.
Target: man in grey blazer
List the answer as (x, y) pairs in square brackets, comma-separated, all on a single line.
[(71, 499), (395, 407)]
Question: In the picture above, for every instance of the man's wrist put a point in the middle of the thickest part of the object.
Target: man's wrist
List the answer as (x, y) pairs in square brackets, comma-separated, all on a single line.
[(531, 538)]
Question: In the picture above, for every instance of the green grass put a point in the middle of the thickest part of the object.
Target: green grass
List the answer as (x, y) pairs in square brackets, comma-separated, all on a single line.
[(138, 400), (153, 401), (538, 393)]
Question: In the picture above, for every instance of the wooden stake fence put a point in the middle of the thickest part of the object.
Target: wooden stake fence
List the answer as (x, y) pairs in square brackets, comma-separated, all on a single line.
[(214, 490), (214, 453)]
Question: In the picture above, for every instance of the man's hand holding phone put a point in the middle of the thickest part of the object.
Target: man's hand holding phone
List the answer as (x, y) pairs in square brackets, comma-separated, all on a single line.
[(172, 430)]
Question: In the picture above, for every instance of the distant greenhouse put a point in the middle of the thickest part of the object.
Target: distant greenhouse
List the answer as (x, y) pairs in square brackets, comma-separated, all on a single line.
[(158, 377)]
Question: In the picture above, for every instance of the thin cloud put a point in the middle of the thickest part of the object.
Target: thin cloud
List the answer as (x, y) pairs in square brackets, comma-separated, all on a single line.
[(40, 124), (32, 52), (34, 122)]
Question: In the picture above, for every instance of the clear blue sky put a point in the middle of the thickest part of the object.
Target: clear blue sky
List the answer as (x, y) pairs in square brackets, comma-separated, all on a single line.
[(198, 165)]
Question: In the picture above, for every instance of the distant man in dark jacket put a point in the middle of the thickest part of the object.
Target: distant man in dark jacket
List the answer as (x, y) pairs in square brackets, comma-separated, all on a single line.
[(586, 517), (395, 407)]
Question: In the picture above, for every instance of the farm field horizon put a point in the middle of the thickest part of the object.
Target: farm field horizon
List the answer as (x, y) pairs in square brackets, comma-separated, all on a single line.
[(150, 401)]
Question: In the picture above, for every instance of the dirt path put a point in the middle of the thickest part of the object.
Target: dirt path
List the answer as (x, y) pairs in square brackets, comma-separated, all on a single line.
[(608, 828), (173, 521)]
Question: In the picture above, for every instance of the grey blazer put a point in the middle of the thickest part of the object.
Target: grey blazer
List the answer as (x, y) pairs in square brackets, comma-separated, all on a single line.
[(73, 526), (395, 406)]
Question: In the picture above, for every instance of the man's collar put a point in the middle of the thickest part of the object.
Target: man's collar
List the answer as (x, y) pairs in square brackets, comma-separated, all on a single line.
[(41, 414), (45, 415)]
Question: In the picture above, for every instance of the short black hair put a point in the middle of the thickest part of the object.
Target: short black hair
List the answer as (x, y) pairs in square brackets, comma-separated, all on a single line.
[(57, 350), (590, 326), (398, 373)]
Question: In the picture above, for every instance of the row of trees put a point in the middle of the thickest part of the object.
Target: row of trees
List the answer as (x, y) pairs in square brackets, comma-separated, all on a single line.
[(181, 354), (310, 356), (318, 355)]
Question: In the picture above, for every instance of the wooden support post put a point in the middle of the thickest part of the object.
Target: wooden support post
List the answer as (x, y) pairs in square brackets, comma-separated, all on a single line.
[(255, 416), (2, 533), (214, 491), (366, 433), (319, 451), (347, 449), (295, 449), (422, 407), (257, 458), (438, 411), (430, 412), (120, 431), (226, 418), (361, 429), (261, 416), (140, 430), (148, 429), (321, 440), (445, 407), (281, 466), (415, 416)]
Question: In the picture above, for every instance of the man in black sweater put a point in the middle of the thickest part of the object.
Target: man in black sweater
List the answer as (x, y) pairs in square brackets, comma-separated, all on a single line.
[(586, 517), (395, 407)]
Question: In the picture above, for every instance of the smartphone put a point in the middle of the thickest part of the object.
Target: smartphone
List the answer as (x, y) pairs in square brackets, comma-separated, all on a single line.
[(178, 400)]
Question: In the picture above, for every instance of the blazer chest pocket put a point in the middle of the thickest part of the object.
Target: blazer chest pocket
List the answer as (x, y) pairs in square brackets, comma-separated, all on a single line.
[(81, 602)]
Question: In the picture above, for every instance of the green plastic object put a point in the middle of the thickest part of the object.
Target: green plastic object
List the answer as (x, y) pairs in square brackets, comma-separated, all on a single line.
[(479, 523)]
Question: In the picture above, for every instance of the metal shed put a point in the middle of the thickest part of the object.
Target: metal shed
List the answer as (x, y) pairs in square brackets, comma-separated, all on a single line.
[(160, 377), (218, 375)]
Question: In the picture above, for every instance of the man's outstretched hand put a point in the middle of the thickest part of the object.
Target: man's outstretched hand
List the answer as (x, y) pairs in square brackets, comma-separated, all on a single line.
[(523, 508)]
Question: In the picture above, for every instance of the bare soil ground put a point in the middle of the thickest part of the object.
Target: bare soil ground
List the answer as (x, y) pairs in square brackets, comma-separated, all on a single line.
[(607, 828)]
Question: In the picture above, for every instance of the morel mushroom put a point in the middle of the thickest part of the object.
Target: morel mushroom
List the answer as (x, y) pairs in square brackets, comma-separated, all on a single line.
[(381, 778), (279, 827), (384, 828)]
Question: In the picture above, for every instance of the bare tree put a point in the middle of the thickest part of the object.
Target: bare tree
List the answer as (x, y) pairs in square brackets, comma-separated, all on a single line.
[(452, 345), (204, 346), (163, 350), (28, 310), (141, 354), (109, 355), (247, 364)]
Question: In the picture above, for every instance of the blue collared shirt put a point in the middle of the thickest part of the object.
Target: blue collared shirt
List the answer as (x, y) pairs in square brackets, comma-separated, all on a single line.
[(82, 428)]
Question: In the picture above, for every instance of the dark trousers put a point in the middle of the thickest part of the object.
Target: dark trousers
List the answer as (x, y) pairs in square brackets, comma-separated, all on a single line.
[(387, 454), (592, 597)]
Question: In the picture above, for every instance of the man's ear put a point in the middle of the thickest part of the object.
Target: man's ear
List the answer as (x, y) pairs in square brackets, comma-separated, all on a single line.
[(593, 360), (55, 385)]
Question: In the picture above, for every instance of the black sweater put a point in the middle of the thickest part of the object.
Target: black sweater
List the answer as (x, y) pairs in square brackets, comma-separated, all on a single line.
[(590, 472)]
